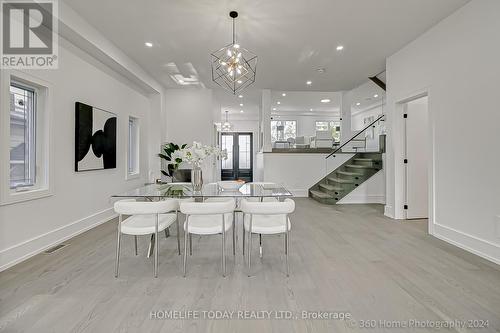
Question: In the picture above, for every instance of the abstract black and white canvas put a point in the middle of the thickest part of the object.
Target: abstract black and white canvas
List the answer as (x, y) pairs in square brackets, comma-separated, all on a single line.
[(95, 138)]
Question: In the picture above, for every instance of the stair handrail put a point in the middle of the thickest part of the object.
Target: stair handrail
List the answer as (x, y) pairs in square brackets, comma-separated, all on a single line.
[(355, 136)]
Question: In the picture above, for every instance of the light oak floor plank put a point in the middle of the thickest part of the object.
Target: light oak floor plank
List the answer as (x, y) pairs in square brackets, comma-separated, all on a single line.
[(343, 258)]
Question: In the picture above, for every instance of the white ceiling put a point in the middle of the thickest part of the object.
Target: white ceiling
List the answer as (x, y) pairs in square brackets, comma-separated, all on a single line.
[(291, 38), (305, 102)]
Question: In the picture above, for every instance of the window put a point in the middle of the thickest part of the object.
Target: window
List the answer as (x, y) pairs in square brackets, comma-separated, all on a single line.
[(281, 130), (133, 147), (333, 126), (22, 136), (25, 139)]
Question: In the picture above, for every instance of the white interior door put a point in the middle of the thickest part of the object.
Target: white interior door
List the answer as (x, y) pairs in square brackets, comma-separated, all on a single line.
[(417, 154)]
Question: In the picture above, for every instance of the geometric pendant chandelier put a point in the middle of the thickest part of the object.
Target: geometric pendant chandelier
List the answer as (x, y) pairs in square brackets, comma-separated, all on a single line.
[(234, 67)]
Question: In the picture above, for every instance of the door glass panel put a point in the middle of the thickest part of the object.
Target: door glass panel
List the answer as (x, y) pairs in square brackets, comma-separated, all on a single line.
[(227, 144), (244, 151)]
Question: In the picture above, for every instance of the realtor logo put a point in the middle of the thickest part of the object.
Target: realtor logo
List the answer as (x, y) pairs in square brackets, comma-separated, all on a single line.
[(29, 36)]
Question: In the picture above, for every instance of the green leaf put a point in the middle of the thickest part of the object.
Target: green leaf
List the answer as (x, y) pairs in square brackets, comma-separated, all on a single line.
[(164, 157), (184, 146)]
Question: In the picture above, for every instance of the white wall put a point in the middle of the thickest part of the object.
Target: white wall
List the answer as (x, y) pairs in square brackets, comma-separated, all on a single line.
[(357, 118), (457, 64), (190, 117), (80, 200), (299, 172)]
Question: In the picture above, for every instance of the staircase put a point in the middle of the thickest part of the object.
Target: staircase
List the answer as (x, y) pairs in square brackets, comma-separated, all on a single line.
[(346, 177)]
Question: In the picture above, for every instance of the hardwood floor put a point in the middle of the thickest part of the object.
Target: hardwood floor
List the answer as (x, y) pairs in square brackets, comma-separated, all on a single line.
[(344, 258)]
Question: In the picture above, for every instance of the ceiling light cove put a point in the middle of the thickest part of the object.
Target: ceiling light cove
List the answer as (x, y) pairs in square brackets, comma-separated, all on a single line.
[(326, 100), (340, 48), (148, 44)]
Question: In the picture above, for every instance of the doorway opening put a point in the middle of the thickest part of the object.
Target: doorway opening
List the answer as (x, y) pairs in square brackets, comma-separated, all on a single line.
[(239, 162), (417, 156)]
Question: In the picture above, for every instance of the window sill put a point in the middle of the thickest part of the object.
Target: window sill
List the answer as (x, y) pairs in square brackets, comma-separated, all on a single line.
[(12, 197), (131, 176)]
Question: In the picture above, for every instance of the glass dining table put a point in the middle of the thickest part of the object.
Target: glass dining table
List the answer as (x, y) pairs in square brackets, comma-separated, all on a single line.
[(154, 192)]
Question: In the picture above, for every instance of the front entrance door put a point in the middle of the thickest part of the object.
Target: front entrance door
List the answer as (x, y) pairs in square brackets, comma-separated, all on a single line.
[(239, 162)]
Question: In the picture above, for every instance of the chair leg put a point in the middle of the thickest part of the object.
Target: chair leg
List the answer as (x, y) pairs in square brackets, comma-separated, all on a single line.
[(190, 244), (287, 244), (249, 252), (117, 263), (243, 239), (157, 245), (135, 244), (167, 233), (223, 253), (234, 240), (185, 252), (151, 246), (178, 235), (260, 246)]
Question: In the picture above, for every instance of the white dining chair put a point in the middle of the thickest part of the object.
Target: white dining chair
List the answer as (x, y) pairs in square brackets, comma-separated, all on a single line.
[(267, 218), (259, 199), (146, 218), (208, 218)]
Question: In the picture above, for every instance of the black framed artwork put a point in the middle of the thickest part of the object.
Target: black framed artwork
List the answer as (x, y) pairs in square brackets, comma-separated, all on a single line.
[(95, 138)]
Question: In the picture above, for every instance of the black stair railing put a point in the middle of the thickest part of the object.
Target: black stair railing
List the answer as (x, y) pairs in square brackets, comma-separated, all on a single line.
[(355, 136)]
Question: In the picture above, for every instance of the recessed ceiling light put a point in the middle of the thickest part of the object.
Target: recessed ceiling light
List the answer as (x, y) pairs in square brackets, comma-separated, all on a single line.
[(340, 48), (326, 100), (376, 95), (274, 109), (240, 96), (278, 102), (310, 109), (283, 94), (148, 44), (241, 111), (309, 83), (241, 104), (358, 103)]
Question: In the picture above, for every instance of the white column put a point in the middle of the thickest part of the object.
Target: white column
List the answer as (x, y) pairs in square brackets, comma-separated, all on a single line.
[(266, 119), (345, 116)]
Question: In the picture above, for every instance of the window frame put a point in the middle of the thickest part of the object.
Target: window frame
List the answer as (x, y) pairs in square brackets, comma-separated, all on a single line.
[(330, 127), (32, 143), (43, 186), (136, 172), (283, 120)]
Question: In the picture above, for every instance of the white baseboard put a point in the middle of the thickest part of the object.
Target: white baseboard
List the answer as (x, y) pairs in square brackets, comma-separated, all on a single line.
[(483, 248), (27, 249), (388, 211), (362, 199)]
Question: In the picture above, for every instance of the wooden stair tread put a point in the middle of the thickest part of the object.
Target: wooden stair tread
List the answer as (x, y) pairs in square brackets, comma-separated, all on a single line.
[(329, 187), (340, 180), (321, 195)]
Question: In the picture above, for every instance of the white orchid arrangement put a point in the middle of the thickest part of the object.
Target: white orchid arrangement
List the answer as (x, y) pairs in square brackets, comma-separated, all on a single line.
[(197, 153)]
